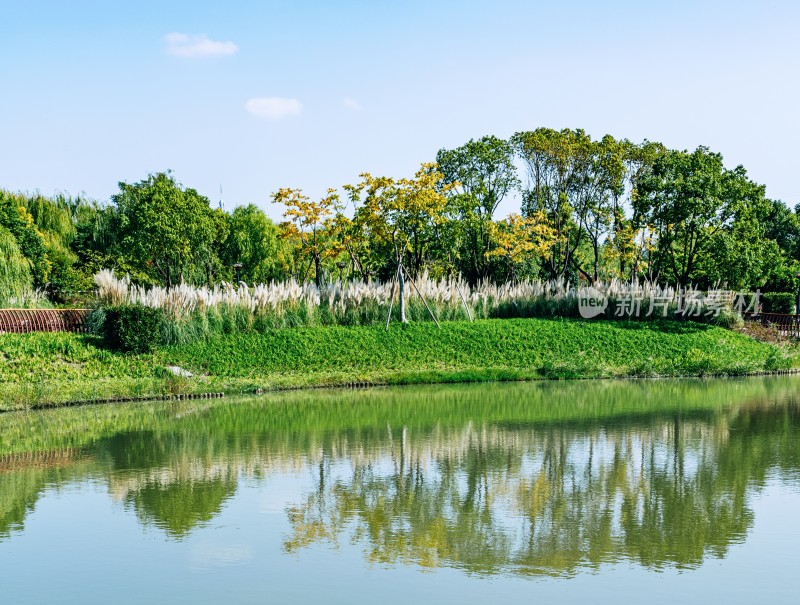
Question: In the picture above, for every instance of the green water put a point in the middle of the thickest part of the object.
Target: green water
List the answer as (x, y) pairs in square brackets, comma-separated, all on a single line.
[(599, 492)]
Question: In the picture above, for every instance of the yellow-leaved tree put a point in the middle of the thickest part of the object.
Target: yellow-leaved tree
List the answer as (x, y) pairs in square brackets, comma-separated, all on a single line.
[(308, 222), (403, 214), (519, 238)]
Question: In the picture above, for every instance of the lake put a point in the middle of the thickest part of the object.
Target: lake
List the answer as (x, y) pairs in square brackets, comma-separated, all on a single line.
[(673, 491)]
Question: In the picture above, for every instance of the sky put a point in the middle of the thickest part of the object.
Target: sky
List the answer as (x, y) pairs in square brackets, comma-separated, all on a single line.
[(253, 96)]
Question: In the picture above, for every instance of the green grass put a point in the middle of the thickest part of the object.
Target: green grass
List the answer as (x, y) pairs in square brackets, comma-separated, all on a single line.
[(512, 348), (41, 369)]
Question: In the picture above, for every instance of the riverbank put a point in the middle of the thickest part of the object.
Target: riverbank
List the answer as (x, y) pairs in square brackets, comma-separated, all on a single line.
[(51, 369)]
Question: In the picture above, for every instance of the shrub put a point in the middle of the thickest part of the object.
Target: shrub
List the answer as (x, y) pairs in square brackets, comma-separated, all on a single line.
[(133, 328), (728, 318), (778, 302), (96, 321)]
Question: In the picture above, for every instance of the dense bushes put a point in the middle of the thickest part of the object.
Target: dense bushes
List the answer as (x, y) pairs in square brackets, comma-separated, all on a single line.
[(778, 302), (133, 328)]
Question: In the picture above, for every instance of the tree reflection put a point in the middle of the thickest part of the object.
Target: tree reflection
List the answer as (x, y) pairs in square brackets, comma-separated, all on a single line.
[(528, 479), (553, 501)]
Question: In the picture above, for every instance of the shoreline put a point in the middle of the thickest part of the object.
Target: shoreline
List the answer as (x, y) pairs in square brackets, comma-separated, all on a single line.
[(47, 370), (197, 396)]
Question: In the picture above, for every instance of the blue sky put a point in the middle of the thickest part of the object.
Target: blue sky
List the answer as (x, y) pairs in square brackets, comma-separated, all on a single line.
[(98, 92)]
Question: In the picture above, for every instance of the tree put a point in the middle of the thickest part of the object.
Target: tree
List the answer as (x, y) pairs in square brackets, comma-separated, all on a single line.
[(695, 206), (252, 241), (15, 274), (166, 231), (605, 214), (30, 241), (307, 221), (739, 256), (517, 238), (577, 183), (481, 174), (404, 214)]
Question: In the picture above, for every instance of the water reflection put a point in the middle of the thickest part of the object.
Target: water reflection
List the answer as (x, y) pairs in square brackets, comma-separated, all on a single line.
[(529, 479)]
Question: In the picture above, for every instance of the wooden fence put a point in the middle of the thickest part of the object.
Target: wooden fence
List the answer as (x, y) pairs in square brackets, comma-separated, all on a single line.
[(20, 321), (787, 325)]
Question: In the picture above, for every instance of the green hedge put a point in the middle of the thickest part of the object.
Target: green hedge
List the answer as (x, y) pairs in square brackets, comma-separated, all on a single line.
[(133, 328), (778, 302)]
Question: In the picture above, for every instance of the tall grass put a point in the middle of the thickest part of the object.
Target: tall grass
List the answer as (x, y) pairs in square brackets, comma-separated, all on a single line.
[(194, 313)]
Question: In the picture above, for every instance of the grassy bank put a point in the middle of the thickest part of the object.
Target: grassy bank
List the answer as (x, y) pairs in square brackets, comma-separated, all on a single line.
[(50, 368)]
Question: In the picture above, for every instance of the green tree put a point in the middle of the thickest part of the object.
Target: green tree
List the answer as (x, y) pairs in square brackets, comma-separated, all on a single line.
[(17, 220), (253, 241), (15, 274), (576, 183), (702, 214), (482, 174), (166, 231), (57, 220)]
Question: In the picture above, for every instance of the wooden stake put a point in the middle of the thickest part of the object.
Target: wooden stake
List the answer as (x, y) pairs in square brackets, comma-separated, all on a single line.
[(464, 301), (391, 300), (423, 299)]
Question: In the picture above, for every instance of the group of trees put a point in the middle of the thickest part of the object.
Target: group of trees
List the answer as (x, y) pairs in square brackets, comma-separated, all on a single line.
[(588, 210)]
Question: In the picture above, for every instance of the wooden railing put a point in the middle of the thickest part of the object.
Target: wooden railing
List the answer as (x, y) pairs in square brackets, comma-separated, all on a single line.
[(20, 321), (787, 325)]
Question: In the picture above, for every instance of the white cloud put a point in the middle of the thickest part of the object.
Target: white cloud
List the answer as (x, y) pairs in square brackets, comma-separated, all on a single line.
[(274, 108), (352, 104), (197, 45)]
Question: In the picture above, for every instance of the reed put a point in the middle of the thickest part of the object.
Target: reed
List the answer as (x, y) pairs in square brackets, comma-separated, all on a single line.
[(194, 313)]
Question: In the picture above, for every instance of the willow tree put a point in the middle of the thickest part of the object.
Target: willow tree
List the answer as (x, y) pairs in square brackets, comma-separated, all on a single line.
[(15, 274), (15, 218)]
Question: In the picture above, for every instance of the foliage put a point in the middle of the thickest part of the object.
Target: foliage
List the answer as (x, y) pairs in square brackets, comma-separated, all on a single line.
[(253, 242), (518, 238), (700, 212), (167, 231), (306, 222), (404, 214), (18, 221), (576, 183), (15, 274), (778, 302), (592, 211), (482, 174), (133, 328)]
